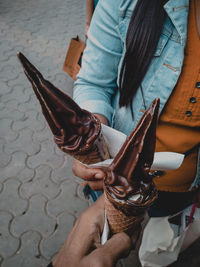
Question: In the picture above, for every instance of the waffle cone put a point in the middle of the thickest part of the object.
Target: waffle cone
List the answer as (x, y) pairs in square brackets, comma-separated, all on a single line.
[(119, 220), (97, 152)]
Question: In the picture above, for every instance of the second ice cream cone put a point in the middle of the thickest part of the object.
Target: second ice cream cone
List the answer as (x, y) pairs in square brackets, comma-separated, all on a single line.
[(128, 185)]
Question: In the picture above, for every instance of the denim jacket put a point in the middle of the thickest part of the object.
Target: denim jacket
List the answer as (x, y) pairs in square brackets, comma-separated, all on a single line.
[(97, 82)]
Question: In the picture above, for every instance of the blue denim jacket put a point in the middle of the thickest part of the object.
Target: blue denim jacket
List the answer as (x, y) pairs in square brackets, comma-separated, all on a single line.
[(96, 85)]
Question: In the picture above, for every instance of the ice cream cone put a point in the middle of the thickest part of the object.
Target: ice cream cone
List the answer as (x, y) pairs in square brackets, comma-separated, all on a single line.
[(128, 186), (118, 220), (96, 152), (76, 131)]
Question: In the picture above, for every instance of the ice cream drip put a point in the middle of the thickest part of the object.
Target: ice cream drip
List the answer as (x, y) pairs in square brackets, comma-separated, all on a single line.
[(74, 129), (128, 177)]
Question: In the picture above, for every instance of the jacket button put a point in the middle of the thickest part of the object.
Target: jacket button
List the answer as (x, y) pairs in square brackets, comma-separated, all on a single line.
[(193, 100), (188, 113), (198, 85)]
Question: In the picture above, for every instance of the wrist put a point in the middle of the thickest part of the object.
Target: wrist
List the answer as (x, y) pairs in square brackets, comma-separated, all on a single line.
[(102, 118)]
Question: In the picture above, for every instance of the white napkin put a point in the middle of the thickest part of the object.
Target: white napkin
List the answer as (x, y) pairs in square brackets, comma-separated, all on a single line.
[(161, 245), (115, 139)]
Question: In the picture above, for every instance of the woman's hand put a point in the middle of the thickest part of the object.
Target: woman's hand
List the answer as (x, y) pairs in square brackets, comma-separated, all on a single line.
[(83, 248), (93, 176)]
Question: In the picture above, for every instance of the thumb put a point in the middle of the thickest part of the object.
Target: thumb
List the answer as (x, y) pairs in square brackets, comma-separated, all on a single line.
[(118, 246), (88, 174)]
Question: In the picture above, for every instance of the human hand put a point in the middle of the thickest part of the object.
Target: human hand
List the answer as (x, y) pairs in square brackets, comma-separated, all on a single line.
[(93, 176), (83, 248)]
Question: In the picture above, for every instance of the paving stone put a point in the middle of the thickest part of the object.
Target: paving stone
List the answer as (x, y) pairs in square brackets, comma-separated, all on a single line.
[(29, 121), (67, 201), (5, 130), (28, 255), (1, 187), (3, 28), (40, 184), (52, 244), (12, 62), (45, 156), (4, 88), (24, 26), (59, 152), (31, 105), (8, 72), (15, 166), (11, 113), (23, 143), (13, 35), (4, 158), (43, 64), (2, 105), (9, 198), (26, 174), (60, 79), (12, 105), (34, 218), (8, 243), (65, 171), (18, 94), (20, 80), (40, 45), (13, 52), (44, 134), (4, 55)]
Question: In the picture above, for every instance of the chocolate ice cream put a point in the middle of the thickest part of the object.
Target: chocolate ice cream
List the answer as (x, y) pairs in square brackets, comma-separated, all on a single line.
[(128, 183), (76, 131)]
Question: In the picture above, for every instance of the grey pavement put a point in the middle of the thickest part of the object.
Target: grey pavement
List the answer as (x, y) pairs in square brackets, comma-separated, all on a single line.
[(40, 198)]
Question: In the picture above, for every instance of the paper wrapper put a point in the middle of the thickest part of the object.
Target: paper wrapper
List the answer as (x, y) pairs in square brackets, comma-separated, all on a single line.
[(114, 140), (162, 242)]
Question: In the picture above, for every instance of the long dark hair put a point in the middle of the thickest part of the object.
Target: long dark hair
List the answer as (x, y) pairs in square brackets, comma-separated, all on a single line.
[(142, 37)]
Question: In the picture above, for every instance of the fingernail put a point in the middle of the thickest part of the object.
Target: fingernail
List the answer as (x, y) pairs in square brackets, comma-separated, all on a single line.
[(99, 176)]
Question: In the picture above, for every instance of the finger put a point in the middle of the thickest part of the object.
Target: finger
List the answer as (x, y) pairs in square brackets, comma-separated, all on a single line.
[(107, 255), (96, 185), (83, 237), (116, 247), (88, 174), (87, 230)]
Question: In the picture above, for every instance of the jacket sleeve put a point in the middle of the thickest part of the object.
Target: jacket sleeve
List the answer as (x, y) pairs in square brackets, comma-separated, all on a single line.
[(97, 80)]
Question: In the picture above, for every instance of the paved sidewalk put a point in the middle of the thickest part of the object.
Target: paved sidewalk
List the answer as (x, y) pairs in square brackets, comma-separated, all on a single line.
[(40, 198)]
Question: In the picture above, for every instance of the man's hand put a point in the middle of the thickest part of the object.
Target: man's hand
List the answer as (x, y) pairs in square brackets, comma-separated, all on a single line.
[(93, 176), (83, 248)]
